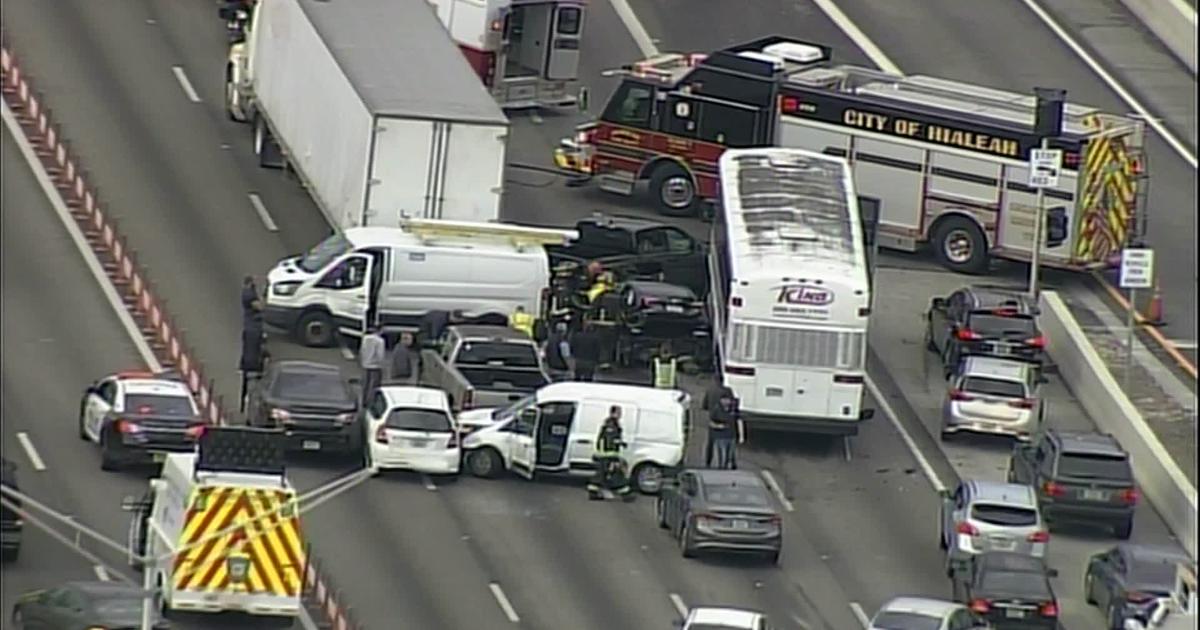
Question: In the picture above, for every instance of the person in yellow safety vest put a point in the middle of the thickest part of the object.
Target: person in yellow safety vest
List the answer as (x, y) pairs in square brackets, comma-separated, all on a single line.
[(603, 284), (522, 321), (665, 368)]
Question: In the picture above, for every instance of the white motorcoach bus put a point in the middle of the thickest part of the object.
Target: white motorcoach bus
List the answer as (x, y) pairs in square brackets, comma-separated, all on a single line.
[(791, 290)]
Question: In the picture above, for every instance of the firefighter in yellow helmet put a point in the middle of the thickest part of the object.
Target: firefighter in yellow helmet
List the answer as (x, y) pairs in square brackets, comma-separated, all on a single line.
[(603, 284)]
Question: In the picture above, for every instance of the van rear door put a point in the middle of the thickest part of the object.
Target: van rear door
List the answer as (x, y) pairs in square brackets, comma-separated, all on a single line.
[(566, 29)]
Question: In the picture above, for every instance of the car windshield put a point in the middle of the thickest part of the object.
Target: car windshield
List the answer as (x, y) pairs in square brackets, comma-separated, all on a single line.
[(1155, 575), (1006, 515), (1094, 467), (997, 325), (504, 413), (736, 496), (1014, 583), (894, 620), (418, 420), (483, 353), (324, 387), (324, 253), (993, 387), (158, 405)]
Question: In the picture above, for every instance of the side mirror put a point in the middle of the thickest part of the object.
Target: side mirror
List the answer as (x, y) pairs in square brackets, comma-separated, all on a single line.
[(582, 100), (866, 414)]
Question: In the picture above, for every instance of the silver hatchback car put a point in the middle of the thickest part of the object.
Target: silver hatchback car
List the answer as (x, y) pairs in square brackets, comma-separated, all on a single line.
[(906, 613), (994, 396), (981, 516)]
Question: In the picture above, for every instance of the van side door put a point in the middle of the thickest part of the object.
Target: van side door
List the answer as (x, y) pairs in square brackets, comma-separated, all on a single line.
[(347, 291)]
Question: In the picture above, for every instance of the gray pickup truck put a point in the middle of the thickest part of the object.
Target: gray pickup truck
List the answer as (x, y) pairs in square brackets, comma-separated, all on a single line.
[(484, 366)]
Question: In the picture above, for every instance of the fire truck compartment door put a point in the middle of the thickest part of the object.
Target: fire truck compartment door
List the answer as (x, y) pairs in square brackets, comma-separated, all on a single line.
[(562, 56)]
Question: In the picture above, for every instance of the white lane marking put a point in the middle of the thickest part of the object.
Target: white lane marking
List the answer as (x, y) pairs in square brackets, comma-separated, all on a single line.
[(856, 35), (261, 209), (30, 451), (428, 483), (680, 607), (505, 605), (846, 449), (89, 257), (922, 461), (635, 28), (778, 490), (101, 573), (93, 264), (347, 353), (185, 84), (1109, 80), (861, 614)]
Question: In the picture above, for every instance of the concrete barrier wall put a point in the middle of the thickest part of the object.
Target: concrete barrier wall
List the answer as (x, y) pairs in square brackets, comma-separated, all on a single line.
[(1173, 22), (1160, 480)]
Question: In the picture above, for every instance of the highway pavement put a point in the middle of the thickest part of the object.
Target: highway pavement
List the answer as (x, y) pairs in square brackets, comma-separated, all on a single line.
[(177, 174), (59, 333)]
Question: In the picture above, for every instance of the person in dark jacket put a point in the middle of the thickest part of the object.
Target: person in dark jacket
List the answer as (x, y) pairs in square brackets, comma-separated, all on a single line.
[(402, 369), (610, 468), (434, 323), (250, 295), (558, 349), (725, 427), (254, 353), (585, 352)]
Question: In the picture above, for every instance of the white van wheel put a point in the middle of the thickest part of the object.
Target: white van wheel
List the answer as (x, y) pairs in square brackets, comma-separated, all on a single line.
[(484, 462), (648, 478)]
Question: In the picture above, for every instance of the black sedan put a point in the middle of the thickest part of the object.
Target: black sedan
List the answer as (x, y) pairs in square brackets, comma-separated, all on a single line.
[(987, 321), (313, 403), (83, 606), (1010, 590), (727, 510), (652, 312), (1126, 580)]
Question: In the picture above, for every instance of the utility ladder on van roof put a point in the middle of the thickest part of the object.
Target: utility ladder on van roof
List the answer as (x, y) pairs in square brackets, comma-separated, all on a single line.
[(519, 235)]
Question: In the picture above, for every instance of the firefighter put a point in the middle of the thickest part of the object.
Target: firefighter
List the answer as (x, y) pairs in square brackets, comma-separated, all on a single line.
[(522, 321), (610, 470), (665, 367), (603, 283)]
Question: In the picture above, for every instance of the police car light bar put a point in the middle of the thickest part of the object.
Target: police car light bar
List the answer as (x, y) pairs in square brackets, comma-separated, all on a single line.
[(241, 450), (519, 235)]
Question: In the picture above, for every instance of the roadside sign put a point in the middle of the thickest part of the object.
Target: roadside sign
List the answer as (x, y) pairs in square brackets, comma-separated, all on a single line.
[(1137, 268), (1044, 166)]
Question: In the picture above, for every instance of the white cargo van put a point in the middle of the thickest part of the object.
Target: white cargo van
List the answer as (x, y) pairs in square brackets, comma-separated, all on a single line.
[(393, 276), (555, 430)]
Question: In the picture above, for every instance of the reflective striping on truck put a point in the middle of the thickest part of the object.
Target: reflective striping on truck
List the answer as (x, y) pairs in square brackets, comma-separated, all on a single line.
[(1109, 189), (269, 539)]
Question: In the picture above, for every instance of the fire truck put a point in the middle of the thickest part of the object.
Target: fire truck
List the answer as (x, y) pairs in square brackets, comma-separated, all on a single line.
[(525, 51), (936, 162)]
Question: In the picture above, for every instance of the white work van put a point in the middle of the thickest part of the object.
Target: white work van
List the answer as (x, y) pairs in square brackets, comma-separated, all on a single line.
[(555, 430), (392, 277)]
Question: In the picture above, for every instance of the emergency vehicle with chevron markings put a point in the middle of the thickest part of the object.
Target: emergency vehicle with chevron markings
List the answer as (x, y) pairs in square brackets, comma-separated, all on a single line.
[(936, 162), (220, 530)]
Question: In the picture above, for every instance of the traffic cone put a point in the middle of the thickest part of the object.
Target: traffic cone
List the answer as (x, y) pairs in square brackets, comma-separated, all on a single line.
[(1154, 310)]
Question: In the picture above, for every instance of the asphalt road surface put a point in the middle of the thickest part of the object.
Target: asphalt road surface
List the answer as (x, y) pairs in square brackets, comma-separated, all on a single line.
[(177, 175)]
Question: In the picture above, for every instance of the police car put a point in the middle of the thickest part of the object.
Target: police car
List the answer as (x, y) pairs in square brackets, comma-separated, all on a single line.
[(138, 417)]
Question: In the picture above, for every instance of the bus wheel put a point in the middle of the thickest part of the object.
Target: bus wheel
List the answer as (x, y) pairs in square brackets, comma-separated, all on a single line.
[(960, 245), (673, 189)]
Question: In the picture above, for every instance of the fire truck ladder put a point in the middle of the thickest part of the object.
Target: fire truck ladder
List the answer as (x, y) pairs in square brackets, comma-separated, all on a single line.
[(519, 235)]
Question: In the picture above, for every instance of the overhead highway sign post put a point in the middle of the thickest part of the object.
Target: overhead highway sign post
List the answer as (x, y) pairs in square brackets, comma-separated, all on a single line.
[(1137, 272), (1044, 166)]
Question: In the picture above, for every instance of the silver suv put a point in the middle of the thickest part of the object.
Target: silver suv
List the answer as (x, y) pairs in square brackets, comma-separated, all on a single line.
[(994, 396), (981, 516)]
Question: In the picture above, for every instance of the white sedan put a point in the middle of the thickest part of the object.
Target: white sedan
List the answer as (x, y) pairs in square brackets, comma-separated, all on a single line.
[(412, 428), (725, 619)]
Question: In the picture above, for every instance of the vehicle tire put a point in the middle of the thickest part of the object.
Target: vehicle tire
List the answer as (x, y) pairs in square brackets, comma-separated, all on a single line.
[(107, 461), (673, 190), (773, 557), (960, 245), (1124, 529), (929, 345), (1088, 595), (947, 436), (685, 540), (230, 90), (648, 478), (485, 462), (315, 329), (269, 154), (82, 425), (18, 619), (942, 539), (660, 514)]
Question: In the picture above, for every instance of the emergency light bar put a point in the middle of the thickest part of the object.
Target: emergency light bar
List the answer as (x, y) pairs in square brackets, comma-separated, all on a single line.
[(519, 235), (241, 450)]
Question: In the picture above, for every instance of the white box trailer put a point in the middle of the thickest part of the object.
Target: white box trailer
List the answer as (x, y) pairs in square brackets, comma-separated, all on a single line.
[(373, 106)]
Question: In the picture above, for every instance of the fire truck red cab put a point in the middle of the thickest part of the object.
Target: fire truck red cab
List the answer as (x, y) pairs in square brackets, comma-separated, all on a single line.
[(525, 51)]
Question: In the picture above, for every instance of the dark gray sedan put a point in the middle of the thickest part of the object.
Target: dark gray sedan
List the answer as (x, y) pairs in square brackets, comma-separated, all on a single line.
[(83, 606), (313, 403), (728, 510)]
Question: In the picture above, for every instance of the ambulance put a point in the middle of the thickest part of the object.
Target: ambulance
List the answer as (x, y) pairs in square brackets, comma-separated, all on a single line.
[(219, 529), (525, 51)]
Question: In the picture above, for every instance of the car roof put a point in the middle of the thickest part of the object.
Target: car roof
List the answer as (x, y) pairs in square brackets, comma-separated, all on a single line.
[(1000, 492), (993, 367), (665, 289), (1087, 442), (476, 331), (724, 616), (986, 296), (638, 395), (923, 605), (294, 366), (162, 387), (416, 397), (1153, 553), (1011, 561), (718, 477), (619, 221)]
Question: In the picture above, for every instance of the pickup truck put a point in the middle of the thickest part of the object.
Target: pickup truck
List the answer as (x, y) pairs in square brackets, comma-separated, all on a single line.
[(484, 366), (639, 247)]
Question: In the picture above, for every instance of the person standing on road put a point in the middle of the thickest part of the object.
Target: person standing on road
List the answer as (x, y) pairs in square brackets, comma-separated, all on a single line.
[(250, 295), (372, 355), (254, 352), (403, 366), (725, 428), (434, 323), (558, 350), (665, 368), (610, 472), (585, 352), (522, 321)]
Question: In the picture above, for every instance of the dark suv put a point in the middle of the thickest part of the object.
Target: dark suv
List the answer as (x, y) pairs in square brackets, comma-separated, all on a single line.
[(1010, 590), (10, 521), (981, 320), (1078, 476)]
